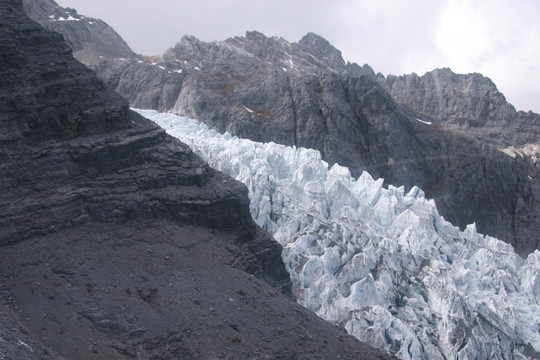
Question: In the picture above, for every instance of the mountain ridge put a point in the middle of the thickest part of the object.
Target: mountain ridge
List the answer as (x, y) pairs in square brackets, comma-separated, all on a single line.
[(304, 94), (470, 103), (89, 38)]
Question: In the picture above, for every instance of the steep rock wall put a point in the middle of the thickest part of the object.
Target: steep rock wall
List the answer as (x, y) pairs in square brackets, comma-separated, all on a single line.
[(118, 242)]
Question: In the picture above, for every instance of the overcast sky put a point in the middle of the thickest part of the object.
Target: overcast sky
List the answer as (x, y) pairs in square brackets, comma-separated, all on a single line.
[(498, 38)]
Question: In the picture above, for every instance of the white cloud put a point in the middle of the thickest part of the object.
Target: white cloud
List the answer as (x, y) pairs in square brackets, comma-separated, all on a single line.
[(498, 38), (388, 35), (464, 37)]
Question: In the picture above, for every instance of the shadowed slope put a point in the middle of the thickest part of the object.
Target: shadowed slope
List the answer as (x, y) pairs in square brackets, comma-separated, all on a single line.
[(116, 240)]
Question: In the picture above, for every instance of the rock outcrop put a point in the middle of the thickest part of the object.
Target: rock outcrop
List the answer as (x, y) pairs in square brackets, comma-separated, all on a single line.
[(116, 240), (304, 94), (89, 38), (468, 103)]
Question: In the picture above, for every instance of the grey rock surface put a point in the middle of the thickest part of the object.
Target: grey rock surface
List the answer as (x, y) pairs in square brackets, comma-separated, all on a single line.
[(470, 103), (304, 94), (91, 39), (118, 242)]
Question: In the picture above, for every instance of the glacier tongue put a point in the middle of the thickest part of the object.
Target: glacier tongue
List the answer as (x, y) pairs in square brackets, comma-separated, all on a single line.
[(380, 262)]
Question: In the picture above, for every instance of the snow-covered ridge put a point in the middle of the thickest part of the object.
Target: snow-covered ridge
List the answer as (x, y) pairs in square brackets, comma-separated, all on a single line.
[(380, 262)]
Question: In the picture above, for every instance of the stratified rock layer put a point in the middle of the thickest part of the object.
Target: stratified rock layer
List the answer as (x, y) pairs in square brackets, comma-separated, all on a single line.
[(73, 152), (116, 240)]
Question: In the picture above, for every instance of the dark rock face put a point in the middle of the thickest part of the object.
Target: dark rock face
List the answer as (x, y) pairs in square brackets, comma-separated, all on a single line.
[(60, 122), (304, 94), (116, 240), (152, 290)]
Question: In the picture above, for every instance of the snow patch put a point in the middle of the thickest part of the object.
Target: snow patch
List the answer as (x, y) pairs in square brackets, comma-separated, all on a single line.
[(69, 18), (424, 122), (513, 152), (22, 343)]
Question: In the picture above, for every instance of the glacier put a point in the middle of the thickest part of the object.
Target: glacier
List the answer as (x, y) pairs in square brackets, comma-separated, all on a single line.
[(380, 262)]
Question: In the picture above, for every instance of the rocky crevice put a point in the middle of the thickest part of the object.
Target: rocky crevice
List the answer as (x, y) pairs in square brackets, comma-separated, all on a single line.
[(294, 114)]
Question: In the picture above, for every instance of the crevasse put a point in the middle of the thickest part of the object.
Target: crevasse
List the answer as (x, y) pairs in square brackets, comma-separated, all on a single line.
[(380, 262)]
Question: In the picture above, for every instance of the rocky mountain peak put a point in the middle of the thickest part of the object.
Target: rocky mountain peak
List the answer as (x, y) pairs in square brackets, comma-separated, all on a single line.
[(465, 102), (258, 37), (90, 39), (312, 51), (260, 45), (44, 10), (320, 48), (186, 48)]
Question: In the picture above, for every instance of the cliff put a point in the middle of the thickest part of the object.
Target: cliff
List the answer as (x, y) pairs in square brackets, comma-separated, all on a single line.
[(304, 94), (116, 240), (466, 102)]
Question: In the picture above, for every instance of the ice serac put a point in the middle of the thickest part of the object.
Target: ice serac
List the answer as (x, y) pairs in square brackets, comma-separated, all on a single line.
[(117, 241), (305, 94), (381, 262)]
